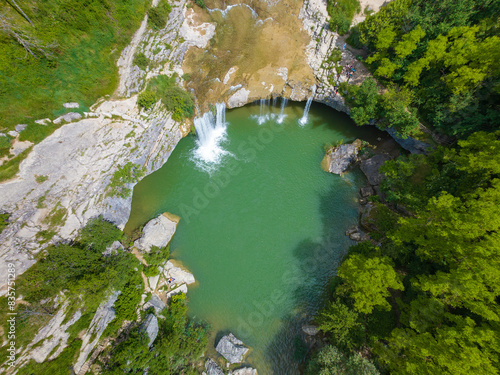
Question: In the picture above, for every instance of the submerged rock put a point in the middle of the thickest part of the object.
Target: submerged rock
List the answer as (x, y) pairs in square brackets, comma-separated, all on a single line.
[(231, 348), (150, 326), (213, 368), (157, 232), (339, 159)]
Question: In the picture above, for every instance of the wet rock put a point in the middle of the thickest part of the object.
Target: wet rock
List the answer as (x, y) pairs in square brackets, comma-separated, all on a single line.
[(370, 168), (410, 144), (231, 348), (310, 330), (68, 117), (213, 368), (150, 326), (71, 105), (20, 127), (238, 99), (366, 191), (340, 158), (157, 232)]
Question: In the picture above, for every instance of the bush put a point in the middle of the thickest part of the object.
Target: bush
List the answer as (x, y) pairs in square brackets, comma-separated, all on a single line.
[(4, 221), (98, 234), (200, 3), (158, 15), (129, 298), (147, 99), (5, 145), (157, 256), (179, 102), (141, 60), (341, 13)]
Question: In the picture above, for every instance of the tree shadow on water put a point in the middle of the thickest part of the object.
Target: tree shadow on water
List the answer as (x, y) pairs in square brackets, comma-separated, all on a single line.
[(317, 262)]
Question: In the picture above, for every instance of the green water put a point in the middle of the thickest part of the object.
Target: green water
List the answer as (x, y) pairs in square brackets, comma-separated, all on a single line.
[(261, 232)]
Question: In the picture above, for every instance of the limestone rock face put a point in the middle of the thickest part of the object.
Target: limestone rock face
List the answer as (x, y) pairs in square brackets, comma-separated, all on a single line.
[(213, 368), (154, 302), (340, 158), (150, 326), (238, 99), (370, 168), (157, 232), (68, 117), (181, 289), (410, 144), (231, 348)]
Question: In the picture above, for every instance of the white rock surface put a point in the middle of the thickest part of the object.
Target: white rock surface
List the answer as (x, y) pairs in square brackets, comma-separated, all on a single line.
[(231, 348), (20, 127), (50, 339), (71, 105), (103, 316), (157, 232), (68, 117), (213, 368), (156, 303), (150, 326), (244, 371), (179, 275), (43, 121), (238, 99), (181, 289), (13, 133), (342, 157)]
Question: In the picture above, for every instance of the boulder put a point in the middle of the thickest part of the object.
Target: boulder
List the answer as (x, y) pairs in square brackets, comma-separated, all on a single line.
[(213, 368), (150, 326), (71, 105), (370, 168), (244, 371), (179, 275), (3, 135), (68, 117), (157, 232), (231, 348), (13, 133), (154, 302), (20, 127), (114, 248), (153, 281), (43, 121), (366, 191), (310, 330), (340, 158), (238, 99)]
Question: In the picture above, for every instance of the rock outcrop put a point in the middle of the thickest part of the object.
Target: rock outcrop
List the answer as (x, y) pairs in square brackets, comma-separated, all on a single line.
[(231, 348), (157, 232), (179, 275), (370, 168), (213, 368), (244, 371), (339, 159), (150, 326), (156, 303)]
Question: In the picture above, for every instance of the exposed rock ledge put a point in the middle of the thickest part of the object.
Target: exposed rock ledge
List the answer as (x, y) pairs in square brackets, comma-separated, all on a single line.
[(80, 158)]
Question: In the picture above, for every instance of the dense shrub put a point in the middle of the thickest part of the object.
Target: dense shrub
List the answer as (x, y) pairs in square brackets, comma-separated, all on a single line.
[(98, 234), (341, 13), (141, 60), (200, 3), (129, 298), (179, 102), (147, 99), (4, 145), (159, 14)]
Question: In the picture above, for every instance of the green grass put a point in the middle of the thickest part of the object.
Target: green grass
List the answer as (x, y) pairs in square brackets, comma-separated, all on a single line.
[(9, 169), (125, 174), (141, 60), (41, 179), (158, 15), (4, 221)]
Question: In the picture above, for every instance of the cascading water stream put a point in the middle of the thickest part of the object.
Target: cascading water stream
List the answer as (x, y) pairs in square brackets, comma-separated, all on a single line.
[(282, 116), (263, 111), (211, 132), (303, 119)]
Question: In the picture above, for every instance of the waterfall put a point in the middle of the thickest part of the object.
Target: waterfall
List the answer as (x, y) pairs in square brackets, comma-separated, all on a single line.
[(263, 111), (211, 132), (304, 117), (282, 116)]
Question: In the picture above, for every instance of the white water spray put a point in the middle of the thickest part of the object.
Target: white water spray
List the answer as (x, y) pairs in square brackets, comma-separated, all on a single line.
[(282, 116), (211, 132), (263, 117), (304, 118)]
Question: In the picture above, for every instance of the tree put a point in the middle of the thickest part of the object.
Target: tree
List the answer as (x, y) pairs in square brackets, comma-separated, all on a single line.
[(341, 322), (98, 234), (367, 280), (330, 361), (363, 101)]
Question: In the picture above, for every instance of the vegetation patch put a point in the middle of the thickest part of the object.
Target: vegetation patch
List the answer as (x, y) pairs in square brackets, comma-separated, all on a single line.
[(158, 15), (4, 221), (126, 174), (10, 168), (141, 60), (341, 14)]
